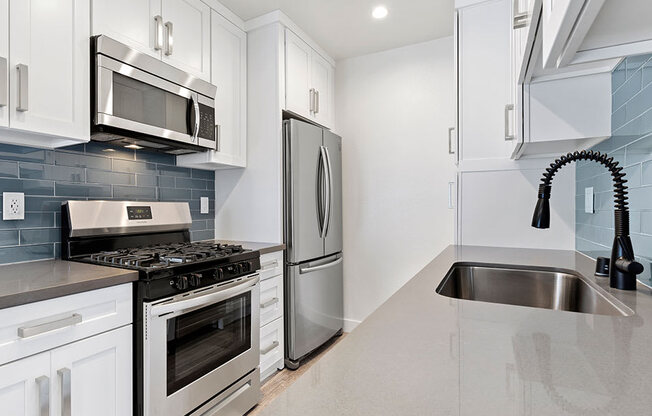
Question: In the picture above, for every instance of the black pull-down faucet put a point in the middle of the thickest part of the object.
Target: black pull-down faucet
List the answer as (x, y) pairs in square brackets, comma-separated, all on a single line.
[(623, 266)]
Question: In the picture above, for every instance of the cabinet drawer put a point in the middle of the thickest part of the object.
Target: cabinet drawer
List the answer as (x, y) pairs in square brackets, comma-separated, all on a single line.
[(271, 299), (271, 264), (40, 326), (271, 348)]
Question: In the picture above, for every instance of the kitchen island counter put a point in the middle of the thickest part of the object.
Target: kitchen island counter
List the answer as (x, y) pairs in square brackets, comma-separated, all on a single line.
[(421, 353)]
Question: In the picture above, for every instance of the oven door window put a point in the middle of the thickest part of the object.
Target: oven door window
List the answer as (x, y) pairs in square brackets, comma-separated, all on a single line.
[(200, 341), (137, 101)]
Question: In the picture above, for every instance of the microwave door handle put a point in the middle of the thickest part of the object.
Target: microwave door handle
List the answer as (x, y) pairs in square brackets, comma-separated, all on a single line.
[(195, 106), (225, 292)]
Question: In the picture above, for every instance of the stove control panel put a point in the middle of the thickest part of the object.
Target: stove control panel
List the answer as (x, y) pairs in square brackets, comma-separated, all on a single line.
[(207, 277)]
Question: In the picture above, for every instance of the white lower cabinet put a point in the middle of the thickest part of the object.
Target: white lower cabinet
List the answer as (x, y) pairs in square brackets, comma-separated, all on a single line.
[(272, 347), (90, 376)]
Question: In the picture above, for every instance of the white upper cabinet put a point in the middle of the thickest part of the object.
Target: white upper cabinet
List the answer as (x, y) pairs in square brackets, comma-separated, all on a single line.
[(177, 31), (559, 16), (309, 81), (485, 90), (132, 22), (298, 89), (229, 74), (4, 63), (187, 41), (49, 67)]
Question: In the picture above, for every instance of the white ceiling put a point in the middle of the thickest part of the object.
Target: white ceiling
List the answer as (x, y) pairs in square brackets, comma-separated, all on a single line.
[(345, 28)]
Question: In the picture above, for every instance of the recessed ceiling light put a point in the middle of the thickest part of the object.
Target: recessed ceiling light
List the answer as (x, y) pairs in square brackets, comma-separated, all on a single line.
[(133, 146), (379, 12)]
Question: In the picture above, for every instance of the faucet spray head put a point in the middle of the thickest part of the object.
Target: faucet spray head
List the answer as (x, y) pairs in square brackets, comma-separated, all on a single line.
[(541, 216)]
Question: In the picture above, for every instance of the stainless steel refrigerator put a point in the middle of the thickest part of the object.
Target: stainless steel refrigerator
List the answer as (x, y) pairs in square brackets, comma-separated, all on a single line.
[(313, 236)]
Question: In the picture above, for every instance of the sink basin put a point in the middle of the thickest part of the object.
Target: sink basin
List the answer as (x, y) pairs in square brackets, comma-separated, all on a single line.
[(524, 286)]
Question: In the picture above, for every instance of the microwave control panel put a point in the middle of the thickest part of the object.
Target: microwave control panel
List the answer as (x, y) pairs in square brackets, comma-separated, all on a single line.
[(206, 122)]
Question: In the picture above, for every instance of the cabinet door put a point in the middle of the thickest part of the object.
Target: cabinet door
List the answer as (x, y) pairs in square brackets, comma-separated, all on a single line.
[(322, 81), (297, 75), (188, 36), (50, 66), (229, 74), (559, 17), (95, 375), (132, 22), (485, 80), (24, 386), (4, 63)]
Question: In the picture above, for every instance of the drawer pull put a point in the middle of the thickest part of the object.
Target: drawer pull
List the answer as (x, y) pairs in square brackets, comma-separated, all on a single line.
[(30, 331), (269, 265), (269, 348), (270, 302)]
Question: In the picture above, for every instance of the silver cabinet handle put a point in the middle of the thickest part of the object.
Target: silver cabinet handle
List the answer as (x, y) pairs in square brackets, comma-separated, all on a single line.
[(521, 19), (169, 40), (158, 33), (30, 331), (43, 384), (320, 267), (316, 101), (270, 302), (218, 137), (508, 134), (23, 93), (4, 89), (451, 150), (312, 100), (66, 393), (269, 348)]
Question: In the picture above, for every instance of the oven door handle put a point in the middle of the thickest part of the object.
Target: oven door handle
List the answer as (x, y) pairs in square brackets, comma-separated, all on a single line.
[(225, 292)]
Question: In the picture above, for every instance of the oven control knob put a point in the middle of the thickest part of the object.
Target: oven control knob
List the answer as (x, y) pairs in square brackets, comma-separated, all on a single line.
[(245, 266), (219, 273), (182, 283), (194, 279)]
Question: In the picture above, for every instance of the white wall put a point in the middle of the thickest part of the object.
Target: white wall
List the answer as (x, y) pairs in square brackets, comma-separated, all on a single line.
[(393, 110)]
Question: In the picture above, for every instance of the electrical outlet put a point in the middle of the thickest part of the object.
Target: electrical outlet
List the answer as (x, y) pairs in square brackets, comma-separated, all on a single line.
[(203, 205), (13, 206)]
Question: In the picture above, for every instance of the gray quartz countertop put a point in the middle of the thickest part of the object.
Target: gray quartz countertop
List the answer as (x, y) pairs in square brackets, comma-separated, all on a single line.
[(425, 354), (264, 248), (39, 280)]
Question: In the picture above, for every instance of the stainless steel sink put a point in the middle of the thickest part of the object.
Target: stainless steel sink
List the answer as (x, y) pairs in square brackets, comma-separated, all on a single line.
[(523, 286)]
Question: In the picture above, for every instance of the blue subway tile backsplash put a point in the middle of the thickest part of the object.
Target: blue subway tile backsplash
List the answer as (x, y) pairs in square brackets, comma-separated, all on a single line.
[(631, 145), (90, 171)]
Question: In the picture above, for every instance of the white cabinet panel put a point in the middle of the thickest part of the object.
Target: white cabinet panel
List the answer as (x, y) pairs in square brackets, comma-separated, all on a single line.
[(272, 348), (187, 29), (131, 22), (271, 264), (49, 42), (322, 81), (98, 373), (297, 75), (229, 74), (19, 388), (4, 63), (485, 80), (559, 17)]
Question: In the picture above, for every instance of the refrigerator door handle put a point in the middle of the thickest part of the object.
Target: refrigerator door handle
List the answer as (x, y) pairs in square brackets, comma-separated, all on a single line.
[(324, 200), (329, 192), (321, 266)]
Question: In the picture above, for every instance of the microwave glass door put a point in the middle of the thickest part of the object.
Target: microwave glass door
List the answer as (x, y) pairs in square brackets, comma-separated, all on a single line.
[(200, 341), (141, 102)]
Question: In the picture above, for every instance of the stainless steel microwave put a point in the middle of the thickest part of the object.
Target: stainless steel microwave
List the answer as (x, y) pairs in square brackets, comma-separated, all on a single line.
[(139, 101)]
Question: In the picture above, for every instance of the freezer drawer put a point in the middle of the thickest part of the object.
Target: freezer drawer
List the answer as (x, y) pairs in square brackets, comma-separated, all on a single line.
[(315, 308)]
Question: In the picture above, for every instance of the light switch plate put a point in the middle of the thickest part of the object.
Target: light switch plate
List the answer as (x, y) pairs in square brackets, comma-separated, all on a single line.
[(13, 206), (588, 200), (203, 205)]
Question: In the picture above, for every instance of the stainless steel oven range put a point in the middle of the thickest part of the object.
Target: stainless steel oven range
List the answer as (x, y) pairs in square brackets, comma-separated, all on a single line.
[(197, 305)]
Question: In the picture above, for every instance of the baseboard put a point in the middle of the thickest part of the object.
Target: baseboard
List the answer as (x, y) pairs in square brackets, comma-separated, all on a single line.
[(350, 324)]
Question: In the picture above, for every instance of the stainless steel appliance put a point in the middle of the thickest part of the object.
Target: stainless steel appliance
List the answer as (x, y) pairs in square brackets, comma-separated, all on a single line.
[(139, 101), (196, 325), (313, 235)]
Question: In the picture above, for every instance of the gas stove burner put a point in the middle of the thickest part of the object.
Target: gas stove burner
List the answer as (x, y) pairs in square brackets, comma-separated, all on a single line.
[(166, 255)]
